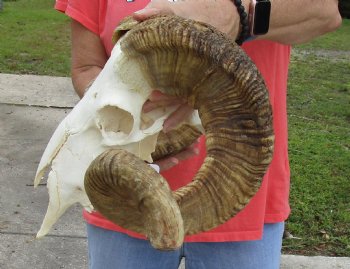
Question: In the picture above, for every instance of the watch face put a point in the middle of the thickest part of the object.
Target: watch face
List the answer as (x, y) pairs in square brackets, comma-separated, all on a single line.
[(262, 17)]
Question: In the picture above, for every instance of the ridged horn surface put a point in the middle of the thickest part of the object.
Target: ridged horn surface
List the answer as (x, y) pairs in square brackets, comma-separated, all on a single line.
[(144, 204), (175, 141), (194, 61)]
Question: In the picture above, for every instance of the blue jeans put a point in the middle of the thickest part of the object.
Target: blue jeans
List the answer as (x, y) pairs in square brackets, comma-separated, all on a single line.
[(113, 250)]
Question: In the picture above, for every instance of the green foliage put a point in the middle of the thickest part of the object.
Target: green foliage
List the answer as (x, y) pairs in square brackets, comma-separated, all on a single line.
[(34, 38), (319, 147)]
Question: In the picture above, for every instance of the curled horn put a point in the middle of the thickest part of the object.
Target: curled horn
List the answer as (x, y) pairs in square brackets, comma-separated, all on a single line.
[(194, 61)]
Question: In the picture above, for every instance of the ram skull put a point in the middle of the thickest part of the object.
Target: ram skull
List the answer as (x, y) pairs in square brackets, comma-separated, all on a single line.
[(107, 139)]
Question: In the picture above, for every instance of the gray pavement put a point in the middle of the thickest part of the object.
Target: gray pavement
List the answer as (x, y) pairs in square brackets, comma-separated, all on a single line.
[(30, 109)]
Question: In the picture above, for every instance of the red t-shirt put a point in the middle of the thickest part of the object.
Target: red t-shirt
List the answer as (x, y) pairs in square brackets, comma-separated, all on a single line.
[(270, 204)]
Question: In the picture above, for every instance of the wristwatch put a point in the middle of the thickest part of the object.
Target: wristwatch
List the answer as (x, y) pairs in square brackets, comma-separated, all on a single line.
[(259, 17)]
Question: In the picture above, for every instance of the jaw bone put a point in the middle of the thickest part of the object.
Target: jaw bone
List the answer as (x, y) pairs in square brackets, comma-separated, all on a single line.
[(108, 116)]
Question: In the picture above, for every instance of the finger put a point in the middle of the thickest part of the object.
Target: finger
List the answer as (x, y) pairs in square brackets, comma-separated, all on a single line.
[(178, 116), (157, 95), (170, 162), (150, 105), (150, 10), (158, 99), (195, 143), (145, 13), (187, 153), (166, 163)]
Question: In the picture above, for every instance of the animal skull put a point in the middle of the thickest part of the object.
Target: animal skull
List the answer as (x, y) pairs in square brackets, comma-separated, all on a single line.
[(108, 116), (182, 58)]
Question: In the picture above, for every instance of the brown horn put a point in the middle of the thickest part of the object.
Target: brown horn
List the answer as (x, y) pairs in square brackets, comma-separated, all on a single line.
[(175, 141), (144, 204), (194, 61)]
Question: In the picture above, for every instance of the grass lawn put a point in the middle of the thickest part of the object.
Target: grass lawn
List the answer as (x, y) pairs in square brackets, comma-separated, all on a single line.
[(319, 147), (35, 40)]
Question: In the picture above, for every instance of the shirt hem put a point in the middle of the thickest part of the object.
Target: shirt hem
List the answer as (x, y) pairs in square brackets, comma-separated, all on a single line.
[(225, 236), (274, 218), (61, 6)]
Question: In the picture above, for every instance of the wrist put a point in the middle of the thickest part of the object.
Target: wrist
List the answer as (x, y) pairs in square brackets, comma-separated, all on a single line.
[(242, 8), (254, 18)]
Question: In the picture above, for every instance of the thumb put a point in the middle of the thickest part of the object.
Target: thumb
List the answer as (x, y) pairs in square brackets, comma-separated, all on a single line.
[(150, 10)]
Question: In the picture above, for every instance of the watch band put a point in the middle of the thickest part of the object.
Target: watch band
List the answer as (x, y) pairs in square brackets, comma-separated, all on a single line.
[(244, 20)]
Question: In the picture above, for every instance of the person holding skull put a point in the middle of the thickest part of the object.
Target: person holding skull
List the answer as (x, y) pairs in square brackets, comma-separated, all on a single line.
[(267, 29)]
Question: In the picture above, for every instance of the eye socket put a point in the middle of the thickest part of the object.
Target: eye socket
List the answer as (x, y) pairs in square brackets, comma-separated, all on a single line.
[(115, 124)]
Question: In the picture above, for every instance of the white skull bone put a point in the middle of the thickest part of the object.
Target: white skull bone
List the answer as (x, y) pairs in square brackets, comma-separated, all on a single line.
[(108, 116)]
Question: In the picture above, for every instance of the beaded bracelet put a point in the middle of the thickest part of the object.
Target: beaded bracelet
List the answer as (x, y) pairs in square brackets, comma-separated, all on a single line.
[(244, 22)]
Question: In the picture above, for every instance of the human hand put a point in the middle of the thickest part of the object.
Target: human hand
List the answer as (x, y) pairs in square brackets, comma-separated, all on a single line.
[(158, 99), (222, 14), (169, 162)]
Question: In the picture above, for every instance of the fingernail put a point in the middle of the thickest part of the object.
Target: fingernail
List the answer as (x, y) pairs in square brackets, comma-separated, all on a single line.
[(174, 160), (140, 12), (148, 11)]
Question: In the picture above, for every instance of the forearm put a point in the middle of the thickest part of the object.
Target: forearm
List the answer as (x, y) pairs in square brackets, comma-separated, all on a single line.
[(83, 77), (298, 21), (291, 21), (88, 57)]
